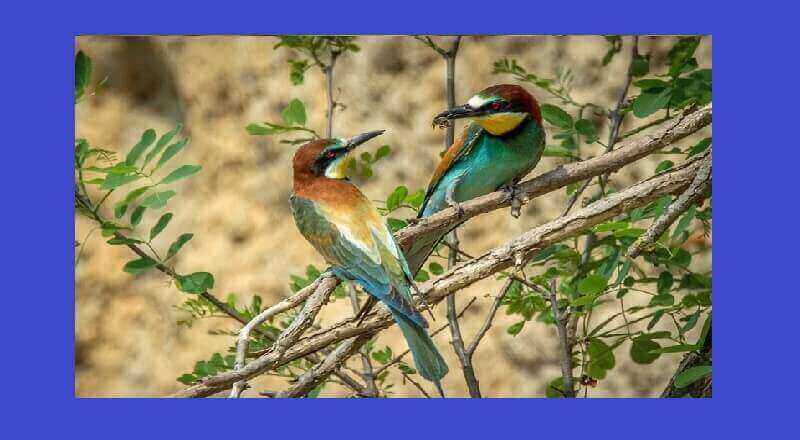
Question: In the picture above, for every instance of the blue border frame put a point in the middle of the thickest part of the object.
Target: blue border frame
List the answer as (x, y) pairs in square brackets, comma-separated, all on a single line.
[(753, 78)]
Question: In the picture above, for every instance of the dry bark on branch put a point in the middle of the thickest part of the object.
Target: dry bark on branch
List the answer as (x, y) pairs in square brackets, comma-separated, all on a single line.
[(463, 275)]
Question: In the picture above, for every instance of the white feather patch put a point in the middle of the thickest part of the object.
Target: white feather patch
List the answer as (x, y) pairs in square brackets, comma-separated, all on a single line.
[(477, 101)]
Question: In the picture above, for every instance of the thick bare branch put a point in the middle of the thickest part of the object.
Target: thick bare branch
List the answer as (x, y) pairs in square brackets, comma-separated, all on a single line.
[(467, 273), (243, 339)]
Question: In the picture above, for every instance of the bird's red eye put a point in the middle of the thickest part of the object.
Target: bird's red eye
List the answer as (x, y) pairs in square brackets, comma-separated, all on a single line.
[(331, 154), (496, 106)]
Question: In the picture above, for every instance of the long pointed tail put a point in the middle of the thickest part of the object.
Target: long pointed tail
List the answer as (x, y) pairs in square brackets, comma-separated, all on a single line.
[(427, 358)]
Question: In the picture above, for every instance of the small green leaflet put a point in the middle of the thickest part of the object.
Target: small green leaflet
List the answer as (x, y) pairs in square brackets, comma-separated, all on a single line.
[(116, 180), (691, 375), (197, 282), (157, 200), (140, 265), (171, 151), (180, 173), (136, 216), (592, 285), (148, 137), (162, 142), (294, 113), (178, 244), (160, 225), (556, 116)]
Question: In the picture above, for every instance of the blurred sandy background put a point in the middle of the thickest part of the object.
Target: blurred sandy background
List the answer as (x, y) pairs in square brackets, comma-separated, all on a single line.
[(127, 340)]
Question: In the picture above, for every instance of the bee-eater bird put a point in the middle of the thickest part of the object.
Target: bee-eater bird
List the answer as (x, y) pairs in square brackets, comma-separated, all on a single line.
[(503, 143), (346, 228)]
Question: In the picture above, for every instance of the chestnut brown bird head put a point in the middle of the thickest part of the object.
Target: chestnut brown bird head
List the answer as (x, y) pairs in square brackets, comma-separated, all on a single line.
[(499, 109), (327, 157)]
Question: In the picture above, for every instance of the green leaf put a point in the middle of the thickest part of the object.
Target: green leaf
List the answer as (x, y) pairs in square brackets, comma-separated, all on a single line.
[(396, 198), (648, 103), (435, 268), (396, 224), (180, 173), (136, 216), (171, 151), (148, 137), (684, 222), (197, 282), (178, 244), (654, 85), (612, 226), (116, 180), (665, 281), (662, 299), (157, 200), (681, 348), (422, 276), (692, 375), (681, 258), (162, 142), (654, 320), (416, 199), (592, 285), (83, 72), (681, 54), (515, 328), (643, 350), (556, 116), (630, 232), (583, 300), (116, 241), (294, 113), (160, 225), (640, 65), (587, 129), (699, 147), (140, 265), (187, 379), (382, 152), (601, 359), (297, 70), (664, 165)]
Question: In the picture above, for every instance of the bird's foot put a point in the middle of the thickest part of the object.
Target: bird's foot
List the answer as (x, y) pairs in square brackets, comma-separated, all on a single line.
[(423, 302), (516, 201)]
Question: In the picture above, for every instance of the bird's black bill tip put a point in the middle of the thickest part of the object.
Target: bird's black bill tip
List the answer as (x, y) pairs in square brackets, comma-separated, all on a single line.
[(363, 137), (445, 118)]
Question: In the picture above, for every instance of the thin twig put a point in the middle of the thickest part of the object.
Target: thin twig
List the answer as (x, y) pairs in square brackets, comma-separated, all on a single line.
[(566, 350), (366, 364)]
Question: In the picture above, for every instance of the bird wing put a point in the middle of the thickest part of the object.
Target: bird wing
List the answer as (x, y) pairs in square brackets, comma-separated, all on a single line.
[(357, 242), (460, 148)]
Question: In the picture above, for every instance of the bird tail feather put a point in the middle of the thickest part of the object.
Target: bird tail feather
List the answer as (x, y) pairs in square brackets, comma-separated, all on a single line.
[(427, 359)]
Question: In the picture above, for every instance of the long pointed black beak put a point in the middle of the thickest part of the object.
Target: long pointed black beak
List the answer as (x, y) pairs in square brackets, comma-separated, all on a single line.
[(462, 111), (361, 138)]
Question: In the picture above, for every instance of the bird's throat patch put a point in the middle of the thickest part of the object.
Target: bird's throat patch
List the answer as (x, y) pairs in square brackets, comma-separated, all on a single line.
[(500, 123), (338, 168)]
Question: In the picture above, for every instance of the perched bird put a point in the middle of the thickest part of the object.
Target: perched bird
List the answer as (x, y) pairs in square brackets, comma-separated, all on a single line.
[(502, 144), (344, 226)]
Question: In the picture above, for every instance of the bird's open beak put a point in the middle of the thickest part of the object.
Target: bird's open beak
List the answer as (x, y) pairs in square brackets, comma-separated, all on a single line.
[(361, 138), (463, 111)]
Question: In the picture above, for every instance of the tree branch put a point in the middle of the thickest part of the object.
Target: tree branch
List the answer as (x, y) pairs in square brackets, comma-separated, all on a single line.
[(566, 348), (500, 258), (696, 192)]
